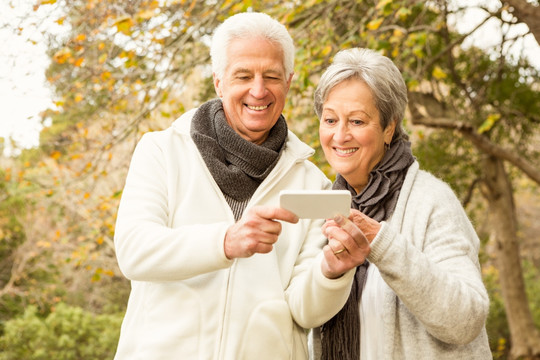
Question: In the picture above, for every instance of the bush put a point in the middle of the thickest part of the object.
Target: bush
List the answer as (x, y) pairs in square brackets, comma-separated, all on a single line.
[(497, 324), (67, 333)]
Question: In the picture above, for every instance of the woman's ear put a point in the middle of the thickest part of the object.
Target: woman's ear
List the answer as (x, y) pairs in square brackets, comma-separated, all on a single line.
[(389, 132)]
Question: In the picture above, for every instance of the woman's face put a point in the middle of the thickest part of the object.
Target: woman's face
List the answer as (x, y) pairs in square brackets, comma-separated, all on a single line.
[(350, 132)]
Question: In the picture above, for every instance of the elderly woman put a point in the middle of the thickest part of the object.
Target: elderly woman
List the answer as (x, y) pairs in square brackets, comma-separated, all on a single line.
[(419, 294)]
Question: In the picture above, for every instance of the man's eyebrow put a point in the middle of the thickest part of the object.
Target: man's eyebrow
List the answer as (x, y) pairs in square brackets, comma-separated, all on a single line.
[(241, 70), (273, 72), (266, 72)]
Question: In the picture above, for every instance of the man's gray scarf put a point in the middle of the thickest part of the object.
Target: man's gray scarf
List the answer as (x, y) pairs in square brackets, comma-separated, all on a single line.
[(237, 165), (340, 336)]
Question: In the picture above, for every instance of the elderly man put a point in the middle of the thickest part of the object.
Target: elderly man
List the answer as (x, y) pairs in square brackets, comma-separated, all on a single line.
[(218, 270)]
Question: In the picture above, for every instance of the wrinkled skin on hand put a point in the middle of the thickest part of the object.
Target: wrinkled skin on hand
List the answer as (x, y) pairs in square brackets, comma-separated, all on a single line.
[(348, 242), (256, 232)]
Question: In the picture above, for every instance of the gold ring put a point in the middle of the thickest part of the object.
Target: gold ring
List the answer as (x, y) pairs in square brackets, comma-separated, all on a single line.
[(339, 251)]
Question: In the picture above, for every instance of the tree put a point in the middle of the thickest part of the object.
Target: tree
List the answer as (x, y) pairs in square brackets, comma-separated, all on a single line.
[(502, 130), (124, 66)]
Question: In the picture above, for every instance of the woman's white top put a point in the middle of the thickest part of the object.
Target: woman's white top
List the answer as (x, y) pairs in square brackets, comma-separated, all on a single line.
[(371, 306)]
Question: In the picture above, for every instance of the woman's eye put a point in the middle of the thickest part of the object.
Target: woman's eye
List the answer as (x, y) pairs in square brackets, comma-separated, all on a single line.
[(356, 122), (330, 121)]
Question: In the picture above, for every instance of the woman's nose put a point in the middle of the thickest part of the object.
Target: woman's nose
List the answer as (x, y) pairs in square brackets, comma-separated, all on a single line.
[(342, 133)]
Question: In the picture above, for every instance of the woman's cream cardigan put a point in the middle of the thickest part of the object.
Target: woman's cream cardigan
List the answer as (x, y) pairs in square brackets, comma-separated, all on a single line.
[(435, 303)]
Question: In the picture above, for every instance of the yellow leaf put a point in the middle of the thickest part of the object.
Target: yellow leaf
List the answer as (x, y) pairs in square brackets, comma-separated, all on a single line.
[(44, 244), (326, 50), (488, 124), (124, 24), (62, 55), (47, 2), (403, 13), (78, 62), (86, 195), (398, 33), (80, 37), (78, 97), (145, 14), (102, 58), (105, 75), (61, 20), (56, 155), (438, 73), (374, 24), (101, 46), (382, 4), (105, 207)]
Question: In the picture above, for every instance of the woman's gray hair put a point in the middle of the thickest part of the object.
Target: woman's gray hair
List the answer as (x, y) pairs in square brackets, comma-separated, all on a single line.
[(379, 73), (247, 26)]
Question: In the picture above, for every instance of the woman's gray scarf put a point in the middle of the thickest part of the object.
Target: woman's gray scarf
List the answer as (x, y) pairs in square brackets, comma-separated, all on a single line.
[(340, 336), (237, 165)]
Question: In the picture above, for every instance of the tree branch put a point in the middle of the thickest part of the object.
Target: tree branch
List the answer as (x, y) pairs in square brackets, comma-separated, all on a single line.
[(427, 111)]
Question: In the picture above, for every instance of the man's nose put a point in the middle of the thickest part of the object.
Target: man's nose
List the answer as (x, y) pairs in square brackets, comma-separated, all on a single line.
[(258, 87)]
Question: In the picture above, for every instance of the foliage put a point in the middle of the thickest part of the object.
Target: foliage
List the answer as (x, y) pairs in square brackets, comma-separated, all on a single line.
[(67, 333), (448, 157), (124, 68), (11, 231)]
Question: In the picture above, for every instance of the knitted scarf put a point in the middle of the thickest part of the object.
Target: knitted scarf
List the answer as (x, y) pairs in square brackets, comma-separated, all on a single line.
[(340, 336), (237, 165)]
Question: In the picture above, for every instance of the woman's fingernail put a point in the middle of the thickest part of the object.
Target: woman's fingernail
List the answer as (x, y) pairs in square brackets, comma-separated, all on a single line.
[(338, 219)]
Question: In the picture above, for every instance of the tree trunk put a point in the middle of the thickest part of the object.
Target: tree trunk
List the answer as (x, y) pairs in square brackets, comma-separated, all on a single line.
[(527, 13), (497, 189)]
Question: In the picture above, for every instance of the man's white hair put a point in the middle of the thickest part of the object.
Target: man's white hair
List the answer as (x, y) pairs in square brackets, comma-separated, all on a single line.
[(247, 26)]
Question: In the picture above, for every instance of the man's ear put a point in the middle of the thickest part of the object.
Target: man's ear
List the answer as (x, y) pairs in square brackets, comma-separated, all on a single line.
[(216, 85), (289, 81)]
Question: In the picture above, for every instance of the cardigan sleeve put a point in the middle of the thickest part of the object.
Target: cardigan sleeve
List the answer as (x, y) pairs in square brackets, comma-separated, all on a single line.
[(313, 298), (430, 261), (147, 248)]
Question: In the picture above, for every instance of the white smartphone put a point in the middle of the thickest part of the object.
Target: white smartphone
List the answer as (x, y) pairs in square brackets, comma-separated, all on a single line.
[(316, 204)]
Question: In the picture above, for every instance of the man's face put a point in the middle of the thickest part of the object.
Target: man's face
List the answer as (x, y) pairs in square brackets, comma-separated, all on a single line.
[(253, 87)]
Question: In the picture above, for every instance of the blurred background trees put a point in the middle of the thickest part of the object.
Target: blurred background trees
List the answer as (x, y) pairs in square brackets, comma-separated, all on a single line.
[(122, 68)]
